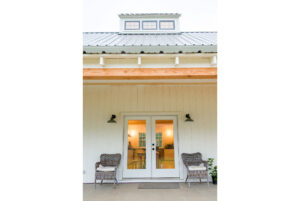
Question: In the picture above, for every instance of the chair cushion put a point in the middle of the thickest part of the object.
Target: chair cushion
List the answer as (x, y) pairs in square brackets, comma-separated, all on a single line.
[(106, 169), (200, 167)]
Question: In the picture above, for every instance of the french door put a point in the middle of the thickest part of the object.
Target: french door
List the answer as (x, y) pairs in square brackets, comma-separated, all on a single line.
[(150, 147)]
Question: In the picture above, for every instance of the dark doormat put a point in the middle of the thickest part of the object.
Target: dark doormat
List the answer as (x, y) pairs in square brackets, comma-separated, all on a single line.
[(158, 185)]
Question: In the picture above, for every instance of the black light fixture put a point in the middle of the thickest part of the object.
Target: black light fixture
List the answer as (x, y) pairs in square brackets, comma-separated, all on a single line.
[(188, 118), (112, 119)]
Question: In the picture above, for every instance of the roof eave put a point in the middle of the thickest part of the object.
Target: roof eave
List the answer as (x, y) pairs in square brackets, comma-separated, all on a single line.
[(150, 49), (147, 15)]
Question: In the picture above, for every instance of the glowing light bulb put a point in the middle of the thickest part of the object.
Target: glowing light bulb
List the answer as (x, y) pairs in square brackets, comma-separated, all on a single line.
[(169, 132), (132, 133)]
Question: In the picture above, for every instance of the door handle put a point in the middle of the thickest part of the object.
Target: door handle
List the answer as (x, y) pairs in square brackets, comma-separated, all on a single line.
[(153, 149), (153, 144)]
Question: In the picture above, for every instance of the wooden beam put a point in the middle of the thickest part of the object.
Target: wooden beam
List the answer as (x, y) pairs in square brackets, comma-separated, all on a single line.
[(148, 73), (152, 83)]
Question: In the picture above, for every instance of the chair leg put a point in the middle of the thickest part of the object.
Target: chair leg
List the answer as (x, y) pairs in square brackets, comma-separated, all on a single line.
[(115, 183), (186, 178), (95, 181), (101, 181), (200, 180), (207, 181)]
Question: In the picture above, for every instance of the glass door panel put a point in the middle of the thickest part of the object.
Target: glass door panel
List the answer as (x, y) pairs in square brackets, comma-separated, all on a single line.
[(165, 149), (150, 147), (137, 147), (164, 136), (136, 153)]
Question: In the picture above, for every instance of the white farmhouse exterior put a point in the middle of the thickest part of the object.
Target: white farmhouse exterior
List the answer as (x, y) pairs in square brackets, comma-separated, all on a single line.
[(150, 75)]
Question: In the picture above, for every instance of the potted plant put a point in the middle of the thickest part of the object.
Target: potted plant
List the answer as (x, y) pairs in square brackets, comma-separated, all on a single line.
[(213, 170), (214, 175)]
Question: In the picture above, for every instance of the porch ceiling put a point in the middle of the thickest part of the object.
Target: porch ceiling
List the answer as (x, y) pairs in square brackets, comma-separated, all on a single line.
[(148, 73)]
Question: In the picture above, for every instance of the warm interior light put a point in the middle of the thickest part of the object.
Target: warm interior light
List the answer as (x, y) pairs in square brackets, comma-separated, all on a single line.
[(169, 132), (132, 133)]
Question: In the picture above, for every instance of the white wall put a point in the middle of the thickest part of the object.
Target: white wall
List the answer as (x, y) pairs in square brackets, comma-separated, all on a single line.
[(100, 101)]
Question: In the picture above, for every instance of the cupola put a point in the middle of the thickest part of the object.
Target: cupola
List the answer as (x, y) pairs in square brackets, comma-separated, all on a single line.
[(149, 23)]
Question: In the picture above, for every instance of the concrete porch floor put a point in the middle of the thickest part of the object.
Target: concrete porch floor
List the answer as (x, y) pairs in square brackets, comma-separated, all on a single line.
[(130, 192)]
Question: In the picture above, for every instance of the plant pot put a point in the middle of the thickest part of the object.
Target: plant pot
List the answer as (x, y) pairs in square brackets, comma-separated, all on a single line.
[(214, 179)]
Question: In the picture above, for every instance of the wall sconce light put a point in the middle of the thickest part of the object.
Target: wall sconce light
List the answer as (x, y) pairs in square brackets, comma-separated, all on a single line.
[(188, 118), (112, 119), (132, 133)]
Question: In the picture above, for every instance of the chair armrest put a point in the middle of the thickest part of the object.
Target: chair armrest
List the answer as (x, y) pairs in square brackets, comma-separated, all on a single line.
[(97, 165), (185, 164), (116, 167), (205, 164)]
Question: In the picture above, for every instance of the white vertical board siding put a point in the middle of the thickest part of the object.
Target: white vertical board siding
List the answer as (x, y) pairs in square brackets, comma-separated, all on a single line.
[(101, 101)]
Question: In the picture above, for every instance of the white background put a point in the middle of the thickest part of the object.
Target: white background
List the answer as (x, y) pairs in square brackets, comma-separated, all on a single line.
[(41, 99), (197, 15)]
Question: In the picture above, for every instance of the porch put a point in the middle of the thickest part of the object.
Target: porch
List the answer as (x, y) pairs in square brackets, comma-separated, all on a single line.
[(149, 104), (130, 192)]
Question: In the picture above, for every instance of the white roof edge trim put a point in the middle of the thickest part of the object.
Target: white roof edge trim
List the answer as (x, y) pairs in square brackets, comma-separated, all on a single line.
[(148, 14), (151, 49)]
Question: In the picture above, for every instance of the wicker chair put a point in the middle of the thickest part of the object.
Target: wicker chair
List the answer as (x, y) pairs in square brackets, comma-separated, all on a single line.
[(110, 161), (195, 159)]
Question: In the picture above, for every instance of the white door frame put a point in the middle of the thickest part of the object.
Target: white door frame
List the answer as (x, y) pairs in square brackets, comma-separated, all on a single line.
[(150, 171), (137, 173)]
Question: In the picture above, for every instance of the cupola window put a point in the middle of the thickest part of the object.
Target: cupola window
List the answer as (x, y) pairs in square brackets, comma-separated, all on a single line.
[(166, 24), (132, 25), (144, 23), (149, 25)]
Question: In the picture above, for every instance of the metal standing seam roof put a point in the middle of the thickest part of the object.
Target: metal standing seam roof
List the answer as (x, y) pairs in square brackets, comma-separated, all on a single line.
[(115, 42)]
